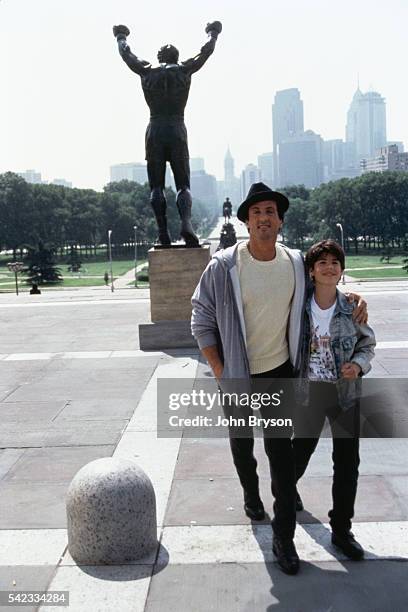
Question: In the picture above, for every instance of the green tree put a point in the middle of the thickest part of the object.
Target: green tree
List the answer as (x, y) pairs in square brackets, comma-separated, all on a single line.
[(405, 252), (74, 262), (84, 217), (338, 202), (15, 211), (296, 191), (297, 226), (49, 215), (372, 209), (41, 266)]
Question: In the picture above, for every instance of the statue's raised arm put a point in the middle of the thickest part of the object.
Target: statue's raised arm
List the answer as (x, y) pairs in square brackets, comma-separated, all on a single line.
[(195, 63), (141, 67)]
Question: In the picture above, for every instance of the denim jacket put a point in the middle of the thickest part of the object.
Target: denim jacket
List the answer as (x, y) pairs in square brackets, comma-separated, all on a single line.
[(350, 342)]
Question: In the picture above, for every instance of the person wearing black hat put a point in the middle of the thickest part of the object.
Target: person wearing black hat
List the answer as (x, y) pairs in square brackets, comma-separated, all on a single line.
[(259, 192), (246, 318)]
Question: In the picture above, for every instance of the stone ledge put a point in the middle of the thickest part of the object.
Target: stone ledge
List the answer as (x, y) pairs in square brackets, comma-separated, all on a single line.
[(166, 335)]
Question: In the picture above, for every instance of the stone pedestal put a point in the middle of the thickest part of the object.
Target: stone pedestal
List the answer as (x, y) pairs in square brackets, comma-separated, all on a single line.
[(173, 276), (111, 513)]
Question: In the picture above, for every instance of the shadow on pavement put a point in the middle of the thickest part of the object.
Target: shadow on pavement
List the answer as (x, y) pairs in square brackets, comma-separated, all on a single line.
[(371, 585)]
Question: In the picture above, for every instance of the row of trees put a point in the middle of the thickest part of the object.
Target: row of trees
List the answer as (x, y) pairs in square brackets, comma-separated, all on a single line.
[(373, 210), (62, 218)]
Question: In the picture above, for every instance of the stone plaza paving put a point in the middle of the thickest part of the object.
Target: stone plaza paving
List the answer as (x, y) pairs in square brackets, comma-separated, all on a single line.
[(74, 387)]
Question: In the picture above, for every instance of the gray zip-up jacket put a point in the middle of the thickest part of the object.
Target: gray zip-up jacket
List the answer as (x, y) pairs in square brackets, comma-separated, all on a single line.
[(218, 318)]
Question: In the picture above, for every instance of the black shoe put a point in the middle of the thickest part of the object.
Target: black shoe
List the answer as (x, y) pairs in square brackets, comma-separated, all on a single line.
[(299, 503), (286, 555), (254, 509), (348, 545)]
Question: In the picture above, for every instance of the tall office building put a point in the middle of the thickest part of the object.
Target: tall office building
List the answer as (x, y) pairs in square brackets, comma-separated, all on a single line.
[(333, 157), (249, 175), (204, 188), (287, 121), (230, 186), (31, 176), (338, 160), (352, 125), (386, 158), (301, 160), (265, 165), (62, 182), (196, 164), (398, 143), (130, 172), (228, 167), (366, 124)]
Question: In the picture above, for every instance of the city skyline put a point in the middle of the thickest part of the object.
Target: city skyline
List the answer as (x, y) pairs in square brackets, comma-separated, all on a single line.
[(73, 109), (292, 129), (299, 156)]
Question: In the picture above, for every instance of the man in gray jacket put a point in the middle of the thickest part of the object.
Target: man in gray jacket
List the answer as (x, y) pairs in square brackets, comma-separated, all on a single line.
[(246, 318)]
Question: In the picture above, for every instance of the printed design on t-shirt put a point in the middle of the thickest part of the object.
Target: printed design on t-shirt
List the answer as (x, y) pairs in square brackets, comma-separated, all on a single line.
[(321, 361)]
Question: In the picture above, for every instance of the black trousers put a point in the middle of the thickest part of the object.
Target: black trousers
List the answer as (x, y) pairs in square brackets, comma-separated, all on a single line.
[(346, 459), (281, 465)]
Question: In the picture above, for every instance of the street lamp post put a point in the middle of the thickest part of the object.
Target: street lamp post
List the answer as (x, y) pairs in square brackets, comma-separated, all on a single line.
[(110, 258), (339, 225), (135, 229), (15, 266)]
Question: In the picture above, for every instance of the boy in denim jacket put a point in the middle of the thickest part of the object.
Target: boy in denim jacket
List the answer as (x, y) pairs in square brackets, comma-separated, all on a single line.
[(336, 353)]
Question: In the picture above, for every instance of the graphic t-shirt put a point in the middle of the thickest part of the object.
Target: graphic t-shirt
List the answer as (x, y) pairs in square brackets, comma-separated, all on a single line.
[(321, 361)]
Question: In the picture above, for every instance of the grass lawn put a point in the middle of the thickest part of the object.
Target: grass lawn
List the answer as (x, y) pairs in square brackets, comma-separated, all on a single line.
[(93, 268), (80, 282), (101, 255), (368, 261), (96, 268), (91, 274), (393, 273), (373, 261)]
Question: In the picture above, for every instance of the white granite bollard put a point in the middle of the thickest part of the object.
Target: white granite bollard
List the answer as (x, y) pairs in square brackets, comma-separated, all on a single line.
[(111, 513)]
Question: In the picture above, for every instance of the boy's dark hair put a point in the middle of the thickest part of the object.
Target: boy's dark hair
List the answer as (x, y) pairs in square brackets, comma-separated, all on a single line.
[(324, 247)]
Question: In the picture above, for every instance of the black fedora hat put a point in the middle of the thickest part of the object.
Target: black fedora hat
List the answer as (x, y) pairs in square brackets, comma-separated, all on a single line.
[(259, 192)]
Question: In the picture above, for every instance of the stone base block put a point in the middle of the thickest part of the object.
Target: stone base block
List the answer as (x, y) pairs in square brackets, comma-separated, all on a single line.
[(173, 276), (166, 335)]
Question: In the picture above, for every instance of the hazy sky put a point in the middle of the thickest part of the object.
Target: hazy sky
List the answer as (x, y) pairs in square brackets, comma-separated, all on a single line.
[(70, 107)]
